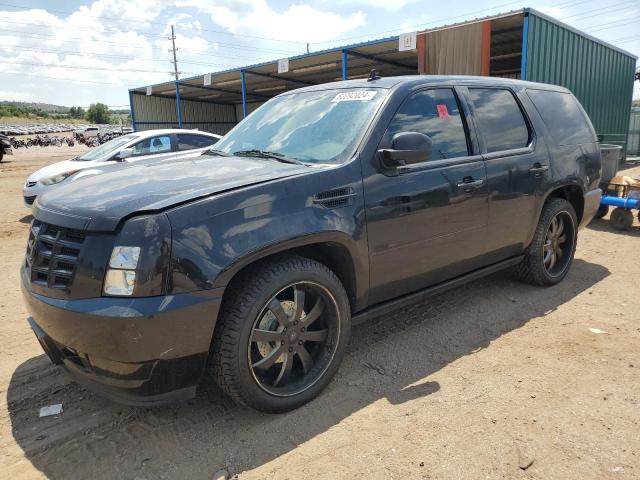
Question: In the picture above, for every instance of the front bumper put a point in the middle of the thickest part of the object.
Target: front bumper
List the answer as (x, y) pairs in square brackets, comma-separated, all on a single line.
[(591, 205), (135, 351)]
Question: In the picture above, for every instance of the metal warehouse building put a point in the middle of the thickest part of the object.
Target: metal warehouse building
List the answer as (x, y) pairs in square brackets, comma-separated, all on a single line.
[(523, 44)]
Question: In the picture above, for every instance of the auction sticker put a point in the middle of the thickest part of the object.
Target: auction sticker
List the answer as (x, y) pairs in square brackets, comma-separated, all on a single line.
[(359, 95)]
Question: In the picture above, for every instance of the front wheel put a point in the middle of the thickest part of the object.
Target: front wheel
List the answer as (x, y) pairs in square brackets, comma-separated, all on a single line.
[(550, 254), (282, 334)]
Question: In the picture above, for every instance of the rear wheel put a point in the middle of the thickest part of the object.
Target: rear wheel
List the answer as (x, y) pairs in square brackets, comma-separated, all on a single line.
[(602, 211), (621, 218), (282, 334), (550, 254)]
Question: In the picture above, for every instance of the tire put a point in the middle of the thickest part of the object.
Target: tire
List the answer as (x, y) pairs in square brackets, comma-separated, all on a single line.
[(548, 259), (602, 211), (1, 153), (258, 349), (621, 218)]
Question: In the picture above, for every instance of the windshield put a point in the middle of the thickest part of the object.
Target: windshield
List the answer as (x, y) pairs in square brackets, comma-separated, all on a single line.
[(315, 127), (106, 148)]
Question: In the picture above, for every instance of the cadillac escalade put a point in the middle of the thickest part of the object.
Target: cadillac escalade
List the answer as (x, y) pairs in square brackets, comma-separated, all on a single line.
[(326, 205)]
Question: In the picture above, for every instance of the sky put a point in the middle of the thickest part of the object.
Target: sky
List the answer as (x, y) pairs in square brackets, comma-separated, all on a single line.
[(75, 53)]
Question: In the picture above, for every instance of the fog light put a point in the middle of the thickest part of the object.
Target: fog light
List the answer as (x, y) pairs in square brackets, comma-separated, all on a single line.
[(119, 282)]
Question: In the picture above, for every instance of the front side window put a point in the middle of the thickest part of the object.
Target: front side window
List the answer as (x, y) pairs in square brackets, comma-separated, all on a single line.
[(562, 116), (320, 126), (107, 149), (189, 141), (436, 114), (500, 119), (153, 145)]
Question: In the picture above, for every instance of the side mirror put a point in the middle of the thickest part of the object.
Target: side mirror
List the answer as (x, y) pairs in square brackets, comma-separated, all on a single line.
[(124, 154), (406, 148)]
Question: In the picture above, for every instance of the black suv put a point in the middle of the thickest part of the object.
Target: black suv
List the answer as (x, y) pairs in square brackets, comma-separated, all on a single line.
[(326, 205)]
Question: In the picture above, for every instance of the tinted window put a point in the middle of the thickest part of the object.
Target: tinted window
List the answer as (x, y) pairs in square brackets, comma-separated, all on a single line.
[(153, 145), (436, 114), (188, 141), (562, 116), (500, 119)]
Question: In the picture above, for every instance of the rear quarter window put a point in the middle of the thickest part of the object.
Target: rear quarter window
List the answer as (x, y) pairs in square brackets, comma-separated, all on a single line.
[(565, 120)]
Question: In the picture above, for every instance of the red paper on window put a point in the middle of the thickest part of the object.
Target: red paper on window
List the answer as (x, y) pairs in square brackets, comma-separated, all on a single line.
[(442, 110)]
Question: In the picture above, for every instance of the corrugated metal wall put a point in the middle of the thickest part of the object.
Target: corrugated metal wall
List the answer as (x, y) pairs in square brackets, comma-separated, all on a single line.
[(601, 77), (154, 112), (250, 108)]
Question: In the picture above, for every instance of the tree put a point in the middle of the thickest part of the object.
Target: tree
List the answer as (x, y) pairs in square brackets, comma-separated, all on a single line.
[(72, 112), (98, 113)]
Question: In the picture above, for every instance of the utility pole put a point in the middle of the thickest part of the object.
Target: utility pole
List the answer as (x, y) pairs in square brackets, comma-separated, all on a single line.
[(174, 50), (176, 73)]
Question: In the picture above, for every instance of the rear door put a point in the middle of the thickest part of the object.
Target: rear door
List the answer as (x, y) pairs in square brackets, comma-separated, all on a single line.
[(186, 143), (426, 222), (517, 166), (157, 147)]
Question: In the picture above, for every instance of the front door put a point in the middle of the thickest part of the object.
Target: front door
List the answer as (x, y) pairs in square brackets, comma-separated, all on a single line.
[(426, 222)]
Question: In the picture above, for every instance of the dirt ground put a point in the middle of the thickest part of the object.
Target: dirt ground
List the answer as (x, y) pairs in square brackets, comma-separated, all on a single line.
[(493, 380)]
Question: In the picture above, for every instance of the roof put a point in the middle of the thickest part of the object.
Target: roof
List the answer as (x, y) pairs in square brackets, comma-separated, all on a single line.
[(153, 133), (325, 66)]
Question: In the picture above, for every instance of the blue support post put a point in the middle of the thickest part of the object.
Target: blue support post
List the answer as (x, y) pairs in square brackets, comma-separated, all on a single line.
[(344, 65), (525, 44), (178, 106), (243, 81), (133, 112)]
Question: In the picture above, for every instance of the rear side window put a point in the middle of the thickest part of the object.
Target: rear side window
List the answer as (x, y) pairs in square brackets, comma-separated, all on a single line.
[(563, 117), (189, 141), (500, 119), (153, 145), (436, 114)]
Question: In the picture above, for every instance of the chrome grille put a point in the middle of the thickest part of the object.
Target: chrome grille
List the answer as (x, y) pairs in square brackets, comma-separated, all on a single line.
[(52, 253)]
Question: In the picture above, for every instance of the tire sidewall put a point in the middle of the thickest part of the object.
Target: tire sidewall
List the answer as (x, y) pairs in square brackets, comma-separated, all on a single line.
[(553, 211), (254, 394)]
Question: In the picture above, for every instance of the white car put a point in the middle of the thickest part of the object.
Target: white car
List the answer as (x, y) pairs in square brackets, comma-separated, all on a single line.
[(150, 144), (90, 132)]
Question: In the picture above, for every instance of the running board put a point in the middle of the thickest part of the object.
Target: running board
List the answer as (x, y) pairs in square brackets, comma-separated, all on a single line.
[(398, 303)]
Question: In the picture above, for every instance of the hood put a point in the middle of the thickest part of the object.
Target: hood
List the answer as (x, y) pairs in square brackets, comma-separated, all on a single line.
[(57, 168), (99, 202)]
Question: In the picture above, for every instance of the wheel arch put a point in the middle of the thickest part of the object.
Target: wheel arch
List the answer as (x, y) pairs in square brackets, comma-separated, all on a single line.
[(332, 249), (573, 193)]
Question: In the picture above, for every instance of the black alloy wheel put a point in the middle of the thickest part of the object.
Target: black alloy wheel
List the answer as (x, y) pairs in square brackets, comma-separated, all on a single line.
[(548, 257), (294, 339), (559, 243), (282, 333)]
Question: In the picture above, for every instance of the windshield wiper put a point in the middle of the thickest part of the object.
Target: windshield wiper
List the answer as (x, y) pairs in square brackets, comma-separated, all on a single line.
[(217, 153), (264, 154)]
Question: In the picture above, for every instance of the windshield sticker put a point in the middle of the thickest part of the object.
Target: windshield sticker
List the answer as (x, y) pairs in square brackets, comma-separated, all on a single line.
[(360, 95), (442, 110)]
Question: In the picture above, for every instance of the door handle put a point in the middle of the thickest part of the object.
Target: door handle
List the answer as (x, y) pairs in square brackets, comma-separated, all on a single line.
[(538, 169), (469, 184)]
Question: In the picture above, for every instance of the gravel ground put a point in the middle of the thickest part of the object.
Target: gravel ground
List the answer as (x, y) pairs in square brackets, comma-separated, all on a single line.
[(493, 380)]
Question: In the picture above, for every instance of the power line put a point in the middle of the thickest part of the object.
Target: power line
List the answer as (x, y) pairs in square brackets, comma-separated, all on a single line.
[(80, 67)]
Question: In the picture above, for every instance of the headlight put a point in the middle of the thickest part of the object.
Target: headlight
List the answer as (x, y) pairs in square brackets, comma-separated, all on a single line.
[(121, 276), (57, 178)]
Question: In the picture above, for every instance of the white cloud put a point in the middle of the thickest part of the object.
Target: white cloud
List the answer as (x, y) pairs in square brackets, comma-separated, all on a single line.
[(299, 22), (391, 5)]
